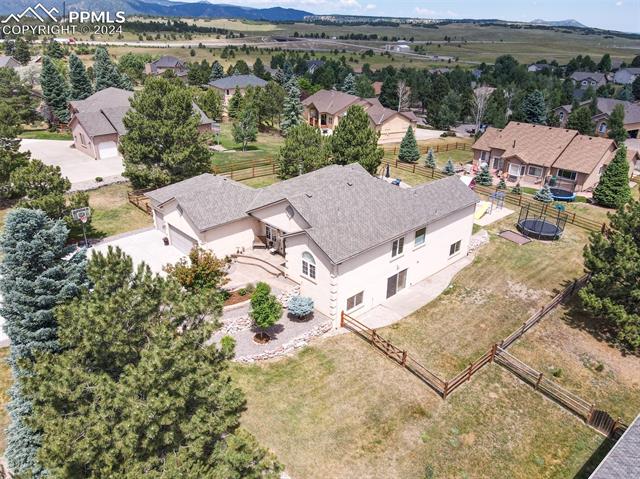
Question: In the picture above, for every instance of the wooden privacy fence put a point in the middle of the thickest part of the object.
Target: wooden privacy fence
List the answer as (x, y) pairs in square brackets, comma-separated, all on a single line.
[(535, 207)]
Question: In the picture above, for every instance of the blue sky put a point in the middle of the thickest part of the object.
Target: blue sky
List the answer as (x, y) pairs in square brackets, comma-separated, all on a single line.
[(621, 15)]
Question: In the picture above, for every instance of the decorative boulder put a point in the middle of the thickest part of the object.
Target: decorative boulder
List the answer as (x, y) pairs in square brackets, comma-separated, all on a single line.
[(300, 306)]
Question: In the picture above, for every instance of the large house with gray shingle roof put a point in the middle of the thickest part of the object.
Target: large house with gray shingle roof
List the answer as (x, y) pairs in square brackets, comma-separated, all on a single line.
[(349, 239), (325, 108), (167, 63), (604, 108), (96, 122)]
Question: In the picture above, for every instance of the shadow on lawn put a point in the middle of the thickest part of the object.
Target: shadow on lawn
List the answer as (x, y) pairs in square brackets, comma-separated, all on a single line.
[(598, 328), (596, 458)]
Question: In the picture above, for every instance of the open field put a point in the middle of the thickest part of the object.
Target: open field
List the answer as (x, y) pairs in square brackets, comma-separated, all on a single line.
[(339, 409)]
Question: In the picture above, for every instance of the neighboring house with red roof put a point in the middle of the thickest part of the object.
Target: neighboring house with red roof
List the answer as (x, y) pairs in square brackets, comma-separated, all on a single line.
[(325, 108), (530, 154), (96, 122), (604, 107)]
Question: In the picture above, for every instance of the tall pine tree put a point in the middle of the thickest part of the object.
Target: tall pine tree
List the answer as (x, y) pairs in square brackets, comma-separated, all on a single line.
[(613, 189), (55, 90), (292, 108), (409, 151), (354, 141), (580, 119), (304, 150), (162, 144), (80, 84), (617, 130), (37, 275), (106, 73), (217, 71), (139, 390), (533, 108), (349, 84)]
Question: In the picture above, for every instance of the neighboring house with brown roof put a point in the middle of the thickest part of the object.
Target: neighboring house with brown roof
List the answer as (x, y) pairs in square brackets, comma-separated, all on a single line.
[(325, 108), (530, 154), (8, 62), (601, 119), (349, 239), (167, 63), (96, 122)]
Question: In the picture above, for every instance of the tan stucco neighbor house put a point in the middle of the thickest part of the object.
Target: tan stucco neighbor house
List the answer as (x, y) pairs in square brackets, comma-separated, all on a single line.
[(325, 108), (350, 240), (530, 154), (96, 122)]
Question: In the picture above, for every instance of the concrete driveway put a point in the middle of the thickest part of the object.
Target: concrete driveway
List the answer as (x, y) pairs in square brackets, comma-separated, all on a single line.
[(143, 246), (81, 169)]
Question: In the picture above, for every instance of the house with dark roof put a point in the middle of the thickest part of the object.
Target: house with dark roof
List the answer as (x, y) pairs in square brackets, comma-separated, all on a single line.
[(533, 154), (584, 80), (350, 240), (96, 122), (227, 86), (626, 76), (325, 108), (167, 63), (623, 460), (604, 107)]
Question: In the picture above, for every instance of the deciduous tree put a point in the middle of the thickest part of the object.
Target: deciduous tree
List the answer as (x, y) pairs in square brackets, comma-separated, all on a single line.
[(245, 128), (41, 187), (580, 119), (616, 130)]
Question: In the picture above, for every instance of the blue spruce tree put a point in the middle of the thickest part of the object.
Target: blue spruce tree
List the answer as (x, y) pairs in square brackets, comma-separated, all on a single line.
[(37, 275)]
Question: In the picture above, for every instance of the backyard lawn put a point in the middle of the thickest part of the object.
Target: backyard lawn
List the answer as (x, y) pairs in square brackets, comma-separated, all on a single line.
[(340, 409), (112, 212)]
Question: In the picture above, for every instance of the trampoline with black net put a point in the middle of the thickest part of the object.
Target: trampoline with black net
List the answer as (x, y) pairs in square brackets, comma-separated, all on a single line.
[(540, 225)]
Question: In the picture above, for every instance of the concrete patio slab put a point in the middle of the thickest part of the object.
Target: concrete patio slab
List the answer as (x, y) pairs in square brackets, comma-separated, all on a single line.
[(143, 246), (496, 215)]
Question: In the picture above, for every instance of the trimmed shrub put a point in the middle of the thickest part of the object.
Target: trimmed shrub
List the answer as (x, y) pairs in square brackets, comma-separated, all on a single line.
[(300, 306)]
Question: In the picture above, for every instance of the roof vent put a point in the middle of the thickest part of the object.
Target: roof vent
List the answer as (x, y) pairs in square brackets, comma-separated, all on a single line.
[(349, 183), (308, 195)]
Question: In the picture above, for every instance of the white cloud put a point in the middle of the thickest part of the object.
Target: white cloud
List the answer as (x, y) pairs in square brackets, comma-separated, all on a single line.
[(619, 4), (425, 12), (370, 6)]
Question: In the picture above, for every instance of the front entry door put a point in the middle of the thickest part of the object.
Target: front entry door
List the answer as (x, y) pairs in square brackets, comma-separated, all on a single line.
[(396, 283)]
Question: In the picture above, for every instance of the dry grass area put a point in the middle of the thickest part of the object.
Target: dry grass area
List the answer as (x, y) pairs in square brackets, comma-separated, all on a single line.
[(5, 383), (112, 212), (340, 410), (505, 285), (567, 347)]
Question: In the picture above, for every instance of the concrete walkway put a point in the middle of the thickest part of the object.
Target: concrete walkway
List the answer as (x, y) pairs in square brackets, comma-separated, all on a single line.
[(412, 298)]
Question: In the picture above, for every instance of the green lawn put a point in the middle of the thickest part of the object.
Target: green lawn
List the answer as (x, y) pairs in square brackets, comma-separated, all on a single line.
[(46, 135), (112, 212), (263, 150)]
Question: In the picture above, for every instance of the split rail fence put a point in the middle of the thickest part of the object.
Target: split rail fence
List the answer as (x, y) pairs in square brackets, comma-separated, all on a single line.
[(139, 200), (438, 148), (600, 420)]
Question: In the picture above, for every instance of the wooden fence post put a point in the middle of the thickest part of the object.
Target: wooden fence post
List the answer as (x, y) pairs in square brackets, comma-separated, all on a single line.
[(445, 391), (590, 415), (494, 348), (404, 358), (614, 426), (414, 168), (469, 371), (538, 381), (342, 319)]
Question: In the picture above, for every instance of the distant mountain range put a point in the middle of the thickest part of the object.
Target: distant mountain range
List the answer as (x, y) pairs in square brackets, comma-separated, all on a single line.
[(558, 23), (164, 8)]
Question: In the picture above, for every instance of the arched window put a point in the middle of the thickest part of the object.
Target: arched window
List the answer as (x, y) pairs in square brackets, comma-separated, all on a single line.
[(308, 265)]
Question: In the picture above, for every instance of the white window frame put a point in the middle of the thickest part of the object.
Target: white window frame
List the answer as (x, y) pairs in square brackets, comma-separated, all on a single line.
[(498, 163), (454, 248), (517, 166), (308, 265), (602, 128), (397, 248), (356, 301), (420, 237), (535, 167)]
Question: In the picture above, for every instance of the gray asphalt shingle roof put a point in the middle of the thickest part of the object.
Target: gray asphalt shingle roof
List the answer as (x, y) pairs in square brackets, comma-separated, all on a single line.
[(623, 460), (348, 210), (102, 112), (237, 81)]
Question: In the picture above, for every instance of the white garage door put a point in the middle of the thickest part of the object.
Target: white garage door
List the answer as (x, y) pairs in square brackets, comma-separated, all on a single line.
[(181, 241), (108, 149)]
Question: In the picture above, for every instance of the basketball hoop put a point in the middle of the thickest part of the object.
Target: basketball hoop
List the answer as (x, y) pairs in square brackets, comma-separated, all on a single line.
[(83, 218), (82, 215)]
